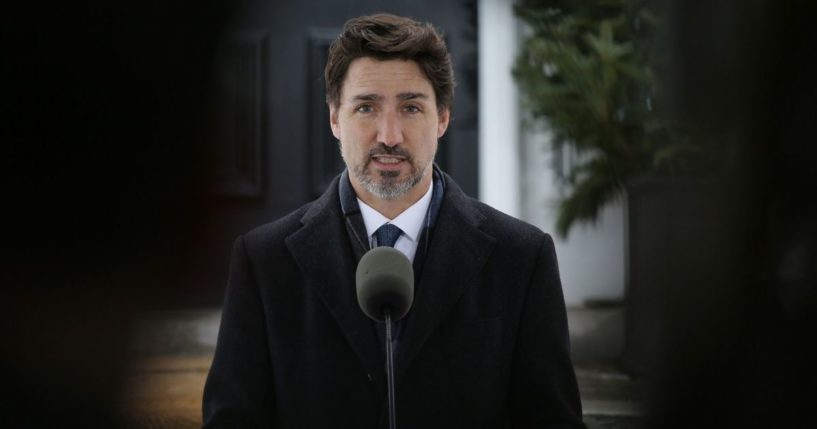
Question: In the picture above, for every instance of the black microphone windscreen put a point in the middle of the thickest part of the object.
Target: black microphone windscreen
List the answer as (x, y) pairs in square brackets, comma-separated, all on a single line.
[(385, 279)]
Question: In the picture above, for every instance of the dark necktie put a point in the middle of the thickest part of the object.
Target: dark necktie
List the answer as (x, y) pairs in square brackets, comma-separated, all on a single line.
[(387, 235)]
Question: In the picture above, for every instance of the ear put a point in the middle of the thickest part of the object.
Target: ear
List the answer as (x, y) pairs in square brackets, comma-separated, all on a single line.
[(333, 121), (442, 125)]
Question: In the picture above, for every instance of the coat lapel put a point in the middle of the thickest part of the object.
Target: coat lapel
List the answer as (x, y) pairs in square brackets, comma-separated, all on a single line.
[(323, 253), (457, 253)]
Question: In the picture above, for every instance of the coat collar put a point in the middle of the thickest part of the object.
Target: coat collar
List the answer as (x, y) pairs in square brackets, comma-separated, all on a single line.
[(457, 252)]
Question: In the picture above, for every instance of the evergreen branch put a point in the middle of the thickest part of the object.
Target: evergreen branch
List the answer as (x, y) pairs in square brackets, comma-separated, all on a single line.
[(597, 185)]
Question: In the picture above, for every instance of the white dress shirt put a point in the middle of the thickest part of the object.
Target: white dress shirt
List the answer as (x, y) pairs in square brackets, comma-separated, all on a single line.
[(410, 222)]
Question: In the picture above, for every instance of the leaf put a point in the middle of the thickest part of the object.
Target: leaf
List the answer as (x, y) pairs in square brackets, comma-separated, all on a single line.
[(588, 70), (595, 186)]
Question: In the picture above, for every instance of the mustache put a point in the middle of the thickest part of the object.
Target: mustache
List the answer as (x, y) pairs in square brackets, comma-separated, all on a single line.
[(382, 149)]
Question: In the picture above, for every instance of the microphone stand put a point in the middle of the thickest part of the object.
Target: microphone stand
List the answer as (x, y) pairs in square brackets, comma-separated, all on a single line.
[(390, 371)]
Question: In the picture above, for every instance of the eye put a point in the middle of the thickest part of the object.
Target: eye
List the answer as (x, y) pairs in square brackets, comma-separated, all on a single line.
[(411, 108), (364, 108)]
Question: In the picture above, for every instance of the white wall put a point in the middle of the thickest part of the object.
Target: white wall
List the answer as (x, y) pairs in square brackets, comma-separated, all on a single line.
[(592, 258), (516, 175), (498, 108)]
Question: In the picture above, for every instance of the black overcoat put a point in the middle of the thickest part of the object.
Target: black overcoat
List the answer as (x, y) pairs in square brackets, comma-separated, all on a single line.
[(485, 344)]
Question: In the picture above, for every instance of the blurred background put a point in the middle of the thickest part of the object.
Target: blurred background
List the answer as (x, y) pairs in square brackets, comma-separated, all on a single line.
[(667, 145)]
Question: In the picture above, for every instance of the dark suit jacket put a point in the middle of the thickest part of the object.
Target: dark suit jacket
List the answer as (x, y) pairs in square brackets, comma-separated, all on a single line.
[(484, 346)]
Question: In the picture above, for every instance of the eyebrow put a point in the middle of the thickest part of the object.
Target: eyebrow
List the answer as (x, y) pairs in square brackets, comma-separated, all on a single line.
[(367, 97), (401, 96), (411, 95)]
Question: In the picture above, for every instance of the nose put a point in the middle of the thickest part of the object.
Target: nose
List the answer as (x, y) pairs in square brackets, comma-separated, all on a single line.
[(389, 130)]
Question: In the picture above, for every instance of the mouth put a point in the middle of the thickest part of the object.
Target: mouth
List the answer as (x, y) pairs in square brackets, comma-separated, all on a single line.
[(388, 161)]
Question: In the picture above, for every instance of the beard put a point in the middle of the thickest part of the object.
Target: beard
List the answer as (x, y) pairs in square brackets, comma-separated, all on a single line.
[(387, 185)]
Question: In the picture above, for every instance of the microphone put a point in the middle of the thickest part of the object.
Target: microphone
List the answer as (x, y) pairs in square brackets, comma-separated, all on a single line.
[(385, 291), (385, 280)]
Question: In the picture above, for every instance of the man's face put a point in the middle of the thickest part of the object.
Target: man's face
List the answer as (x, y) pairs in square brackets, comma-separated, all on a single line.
[(388, 125)]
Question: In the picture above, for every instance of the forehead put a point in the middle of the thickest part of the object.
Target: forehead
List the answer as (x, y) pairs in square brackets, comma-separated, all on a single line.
[(369, 76)]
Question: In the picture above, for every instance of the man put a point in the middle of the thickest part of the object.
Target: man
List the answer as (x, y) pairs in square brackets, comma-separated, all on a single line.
[(485, 344)]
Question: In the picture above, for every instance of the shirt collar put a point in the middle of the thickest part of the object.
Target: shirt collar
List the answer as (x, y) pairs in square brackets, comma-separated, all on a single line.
[(410, 221)]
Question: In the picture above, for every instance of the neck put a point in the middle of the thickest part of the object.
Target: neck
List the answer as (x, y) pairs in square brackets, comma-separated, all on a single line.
[(392, 208)]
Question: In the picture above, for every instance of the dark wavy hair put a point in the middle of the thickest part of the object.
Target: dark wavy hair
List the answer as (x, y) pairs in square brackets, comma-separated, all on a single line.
[(386, 37)]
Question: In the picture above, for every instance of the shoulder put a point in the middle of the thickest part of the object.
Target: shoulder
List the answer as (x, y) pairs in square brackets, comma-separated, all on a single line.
[(504, 228), (510, 233), (515, 237), (277, 230), (501, 225)]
